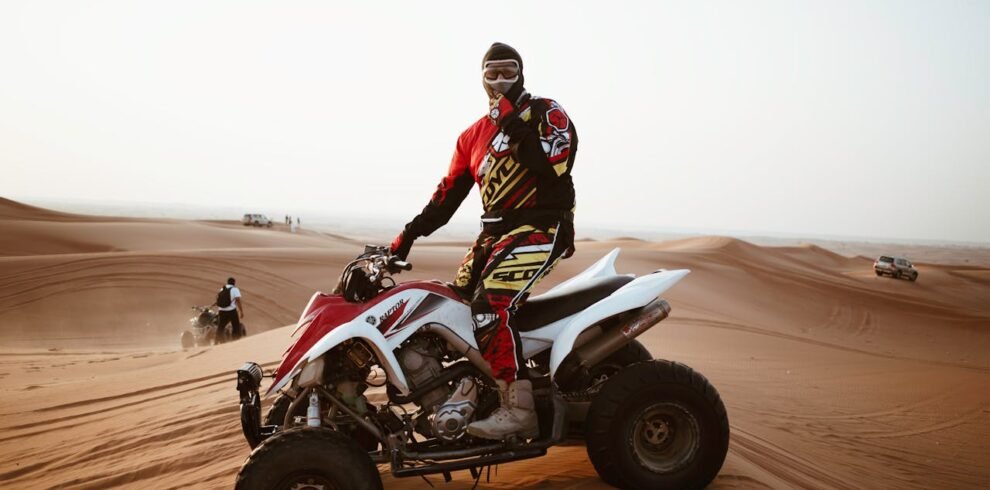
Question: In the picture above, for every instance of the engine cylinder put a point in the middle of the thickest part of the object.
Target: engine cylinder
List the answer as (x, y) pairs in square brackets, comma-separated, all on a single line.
[(420, 365)]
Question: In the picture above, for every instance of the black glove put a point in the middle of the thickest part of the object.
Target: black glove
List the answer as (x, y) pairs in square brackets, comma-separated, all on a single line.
[(501, 111), (565, 233), (401, 246)]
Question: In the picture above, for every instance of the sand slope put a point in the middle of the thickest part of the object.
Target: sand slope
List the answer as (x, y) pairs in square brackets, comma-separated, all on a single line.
[(833, 378)]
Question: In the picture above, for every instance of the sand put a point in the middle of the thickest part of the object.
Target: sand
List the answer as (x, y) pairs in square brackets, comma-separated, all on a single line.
[(832, 377)]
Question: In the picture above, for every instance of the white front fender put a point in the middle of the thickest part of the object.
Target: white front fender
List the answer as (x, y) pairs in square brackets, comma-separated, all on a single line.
[(637, 294)]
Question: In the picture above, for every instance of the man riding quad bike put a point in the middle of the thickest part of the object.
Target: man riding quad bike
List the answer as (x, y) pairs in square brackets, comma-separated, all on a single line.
[(474, 374)]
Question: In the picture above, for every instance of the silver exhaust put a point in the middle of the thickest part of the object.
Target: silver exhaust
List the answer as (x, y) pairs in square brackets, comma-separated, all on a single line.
[(613, 337)]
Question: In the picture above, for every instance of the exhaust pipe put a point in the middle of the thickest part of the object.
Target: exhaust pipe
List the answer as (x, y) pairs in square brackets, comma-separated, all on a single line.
[(580, 361)]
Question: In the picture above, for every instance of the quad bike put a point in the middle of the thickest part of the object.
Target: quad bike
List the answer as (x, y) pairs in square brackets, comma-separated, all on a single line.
[(203, 328), (647, 423)]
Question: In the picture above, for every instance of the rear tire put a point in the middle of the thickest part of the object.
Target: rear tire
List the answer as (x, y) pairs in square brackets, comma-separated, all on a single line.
[(308, 457), (631, 353), (657, 424)]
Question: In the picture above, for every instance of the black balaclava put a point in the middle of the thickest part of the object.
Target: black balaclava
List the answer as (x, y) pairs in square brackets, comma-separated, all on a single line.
[(500, 51)]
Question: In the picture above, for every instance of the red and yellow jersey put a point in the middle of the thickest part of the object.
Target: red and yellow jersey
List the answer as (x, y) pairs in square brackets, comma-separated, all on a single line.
[(522, 166)]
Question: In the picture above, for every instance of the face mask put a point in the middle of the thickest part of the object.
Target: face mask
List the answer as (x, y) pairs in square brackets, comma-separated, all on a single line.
[(501, 75)]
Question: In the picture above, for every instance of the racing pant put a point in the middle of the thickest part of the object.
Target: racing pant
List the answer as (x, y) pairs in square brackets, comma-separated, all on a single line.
[(235, 325), (496, 276)]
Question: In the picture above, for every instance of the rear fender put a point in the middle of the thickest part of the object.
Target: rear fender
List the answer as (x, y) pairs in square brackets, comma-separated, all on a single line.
[(605, 267), (357, 329), (637, 294)]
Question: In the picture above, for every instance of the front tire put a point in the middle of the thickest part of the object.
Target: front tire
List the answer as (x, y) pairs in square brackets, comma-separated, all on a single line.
[(276, 413), (187, 339), (308, 457), (657, 424)]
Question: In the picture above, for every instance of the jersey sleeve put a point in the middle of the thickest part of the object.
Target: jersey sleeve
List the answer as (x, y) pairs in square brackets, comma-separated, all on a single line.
[(543, 138), (450, 193)]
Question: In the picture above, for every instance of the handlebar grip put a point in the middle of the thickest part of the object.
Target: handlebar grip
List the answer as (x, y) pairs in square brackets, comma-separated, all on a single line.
[(395, 263)]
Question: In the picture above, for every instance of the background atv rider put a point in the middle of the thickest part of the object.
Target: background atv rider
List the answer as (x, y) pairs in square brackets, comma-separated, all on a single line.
[(231, 310), (520, 155)]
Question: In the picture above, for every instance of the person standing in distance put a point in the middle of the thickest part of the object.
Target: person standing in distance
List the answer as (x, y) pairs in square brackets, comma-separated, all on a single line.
[(520, 155), (231, 310)]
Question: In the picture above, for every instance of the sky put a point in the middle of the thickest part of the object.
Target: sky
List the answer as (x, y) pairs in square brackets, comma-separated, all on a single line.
[(858, 119)]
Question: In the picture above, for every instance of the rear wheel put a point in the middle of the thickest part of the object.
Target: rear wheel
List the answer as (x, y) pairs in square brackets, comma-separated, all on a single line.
[(308, 458), (657, 424), (629, 354)]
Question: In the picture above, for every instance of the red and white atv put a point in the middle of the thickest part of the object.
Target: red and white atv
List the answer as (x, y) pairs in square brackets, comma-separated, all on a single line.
[(647, 423)]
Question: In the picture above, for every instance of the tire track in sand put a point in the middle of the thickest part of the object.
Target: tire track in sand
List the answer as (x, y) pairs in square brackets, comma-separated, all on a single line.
[(819, 343), (783, 464)]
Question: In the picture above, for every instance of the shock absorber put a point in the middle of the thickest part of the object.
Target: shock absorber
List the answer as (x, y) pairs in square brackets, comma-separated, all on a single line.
[(313, 411)]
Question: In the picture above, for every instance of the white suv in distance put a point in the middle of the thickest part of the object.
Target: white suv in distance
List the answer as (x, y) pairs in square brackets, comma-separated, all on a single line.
[(896, 267), (256, 220)]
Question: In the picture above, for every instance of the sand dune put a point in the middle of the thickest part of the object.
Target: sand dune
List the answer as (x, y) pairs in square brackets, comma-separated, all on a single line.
[(832, 377)]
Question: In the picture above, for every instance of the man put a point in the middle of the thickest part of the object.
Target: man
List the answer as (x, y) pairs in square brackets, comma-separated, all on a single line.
[(521, 155), (231, 310)]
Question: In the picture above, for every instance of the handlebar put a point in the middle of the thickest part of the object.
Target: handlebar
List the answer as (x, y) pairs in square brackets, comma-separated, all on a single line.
[(399, 265), (377, 262)]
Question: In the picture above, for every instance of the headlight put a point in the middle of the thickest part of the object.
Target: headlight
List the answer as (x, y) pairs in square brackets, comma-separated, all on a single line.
[(249, 377)]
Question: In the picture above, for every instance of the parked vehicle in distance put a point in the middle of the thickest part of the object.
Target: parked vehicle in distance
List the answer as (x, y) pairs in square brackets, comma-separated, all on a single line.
[(896, 267), (256, 220)]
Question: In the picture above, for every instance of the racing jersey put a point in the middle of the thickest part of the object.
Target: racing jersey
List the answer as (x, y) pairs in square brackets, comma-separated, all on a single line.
[(523, 170)]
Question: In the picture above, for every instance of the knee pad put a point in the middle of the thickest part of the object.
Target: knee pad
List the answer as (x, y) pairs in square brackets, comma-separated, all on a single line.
[(484, 322)]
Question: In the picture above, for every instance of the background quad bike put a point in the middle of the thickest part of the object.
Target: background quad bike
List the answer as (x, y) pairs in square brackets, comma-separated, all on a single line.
[(651, 424)]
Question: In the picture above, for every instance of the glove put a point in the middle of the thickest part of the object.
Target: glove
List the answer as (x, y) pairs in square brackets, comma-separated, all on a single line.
[(566, 232), (501, 110), (401, 245)]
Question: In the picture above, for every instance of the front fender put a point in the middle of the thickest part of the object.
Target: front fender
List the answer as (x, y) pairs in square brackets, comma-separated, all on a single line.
[(352, 330), (637, 294)]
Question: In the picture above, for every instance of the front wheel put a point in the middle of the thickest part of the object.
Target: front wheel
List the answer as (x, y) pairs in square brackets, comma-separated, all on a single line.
[(657, 424), (308, 457), (187, 339), (276, 414)]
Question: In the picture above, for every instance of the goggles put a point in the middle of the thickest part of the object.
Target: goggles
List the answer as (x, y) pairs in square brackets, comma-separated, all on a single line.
[(506, 69)]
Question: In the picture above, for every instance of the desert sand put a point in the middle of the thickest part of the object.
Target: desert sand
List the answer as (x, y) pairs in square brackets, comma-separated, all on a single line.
[(832, 377)]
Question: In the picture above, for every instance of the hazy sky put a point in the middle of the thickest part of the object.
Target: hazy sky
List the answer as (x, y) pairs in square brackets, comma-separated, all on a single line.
[(828, 118)]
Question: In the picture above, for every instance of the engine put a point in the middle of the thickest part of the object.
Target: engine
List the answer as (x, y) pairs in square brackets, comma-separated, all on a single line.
[(446, 411), (453, 417), (420, 360)]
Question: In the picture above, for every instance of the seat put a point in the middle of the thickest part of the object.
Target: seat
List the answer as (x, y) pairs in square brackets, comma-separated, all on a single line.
[(547, 308)]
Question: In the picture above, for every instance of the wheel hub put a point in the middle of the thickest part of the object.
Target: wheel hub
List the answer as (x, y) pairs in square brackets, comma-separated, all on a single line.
[(309, 482), (665, 437)]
